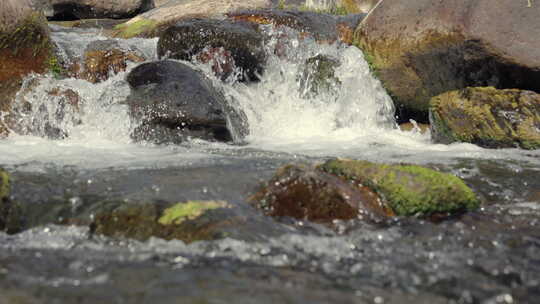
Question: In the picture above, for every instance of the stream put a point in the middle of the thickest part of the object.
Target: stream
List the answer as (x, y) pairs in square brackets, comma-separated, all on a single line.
[(491, 255)]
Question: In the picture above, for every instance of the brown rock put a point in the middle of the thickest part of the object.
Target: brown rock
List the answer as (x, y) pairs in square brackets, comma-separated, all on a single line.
[(420, 49)]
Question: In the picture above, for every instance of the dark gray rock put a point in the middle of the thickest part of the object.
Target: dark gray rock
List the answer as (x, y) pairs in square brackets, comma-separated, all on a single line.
[(174, 102), (87, 9)]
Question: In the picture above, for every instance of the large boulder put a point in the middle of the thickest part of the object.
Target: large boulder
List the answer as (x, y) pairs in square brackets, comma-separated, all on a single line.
[(173, 102), (86, 9), (153, 22), (240, 42), (422, 48), (487, 117), (25, 47)]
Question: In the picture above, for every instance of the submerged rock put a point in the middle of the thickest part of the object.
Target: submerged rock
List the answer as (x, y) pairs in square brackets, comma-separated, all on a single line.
[(155, 21), (10, 212), (105, 56), (408, 189), (85, 9), (310, 194), (189, 221), (420, 49), (318, 76), (487, 117), (173, 103), (240, 41), (25, 47)]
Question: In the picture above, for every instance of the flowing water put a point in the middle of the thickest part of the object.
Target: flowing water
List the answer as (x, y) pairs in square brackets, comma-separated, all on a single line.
[(487, 256)]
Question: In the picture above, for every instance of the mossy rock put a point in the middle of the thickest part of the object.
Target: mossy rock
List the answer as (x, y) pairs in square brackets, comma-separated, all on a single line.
[(137, 27), (306, 193), (487, 117), (188, 221), (10, 212), (408, 189)]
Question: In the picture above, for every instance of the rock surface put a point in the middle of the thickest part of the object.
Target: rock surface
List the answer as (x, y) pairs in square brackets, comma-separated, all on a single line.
[(173, 103), (318, 76), (306, 193), (487, 117), (25, 48), (153, 22), (86, 9), (408, 189), (240, 41), (10, 215), (423, 48)]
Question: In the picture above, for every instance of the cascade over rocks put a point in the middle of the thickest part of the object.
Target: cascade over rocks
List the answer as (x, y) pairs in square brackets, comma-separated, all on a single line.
[(25, 48), (87, 9), (173, 103), (241, 43), (420, 49), (487, 117)]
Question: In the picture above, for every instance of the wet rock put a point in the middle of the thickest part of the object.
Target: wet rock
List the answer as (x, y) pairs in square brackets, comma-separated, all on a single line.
[(85, 9), (105, 56), (189, 221), (173, 103), (240, 42), (318, 76), (25, 48), (310, 194), (10, 212), (106, 24), (408, 189), (155, 21), (424, 48), (487, 117), (341, 7), (324, 28)]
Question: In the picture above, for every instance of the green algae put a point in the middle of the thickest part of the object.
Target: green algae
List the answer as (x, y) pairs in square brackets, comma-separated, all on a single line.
[(135, 29), (409, 189), (4, 184), (188, 211)]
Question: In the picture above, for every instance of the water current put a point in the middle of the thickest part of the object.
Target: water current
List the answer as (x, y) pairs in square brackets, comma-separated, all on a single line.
[(488, 256)]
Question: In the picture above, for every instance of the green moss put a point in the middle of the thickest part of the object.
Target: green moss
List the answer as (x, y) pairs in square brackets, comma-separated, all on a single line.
[(29, 33), (135, 29), (55, 67), (188, 211), (4, 184), (409, 189)]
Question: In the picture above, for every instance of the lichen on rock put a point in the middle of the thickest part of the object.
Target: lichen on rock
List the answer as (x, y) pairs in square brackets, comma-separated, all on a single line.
[(188, 211)]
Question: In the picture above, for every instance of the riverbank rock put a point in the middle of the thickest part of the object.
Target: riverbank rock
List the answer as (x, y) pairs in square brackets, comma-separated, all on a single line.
[(487, 117), (153, 22), (240, 42), (25, 47), (172, 102), (187, 221), (408, 189), (87, 9), (307, 193), (105, 57), (424, 48), (324, 28)]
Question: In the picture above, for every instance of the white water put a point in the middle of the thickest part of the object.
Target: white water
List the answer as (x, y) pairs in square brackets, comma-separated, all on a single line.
[(356, 122)]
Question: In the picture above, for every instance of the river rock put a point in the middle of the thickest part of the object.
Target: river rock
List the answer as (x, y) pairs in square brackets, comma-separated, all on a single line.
[(105, 56), (420, 49), (25, 47), (318, 76), (10, 212), (307, 193), (341, 7), (187, 221), (86, 9), (173, 103), (408, 189), (153, 22), (240, 42), (487, 117), (324, 28)]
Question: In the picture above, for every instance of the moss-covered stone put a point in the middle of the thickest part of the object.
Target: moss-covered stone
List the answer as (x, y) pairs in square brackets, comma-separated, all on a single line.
[(4, 184), (487, 117), (409, 189), (136, 28), (189, 221), (306, 193), (11, 220)]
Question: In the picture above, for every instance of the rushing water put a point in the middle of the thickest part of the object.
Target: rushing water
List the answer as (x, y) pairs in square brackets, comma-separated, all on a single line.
[(489, 256)]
